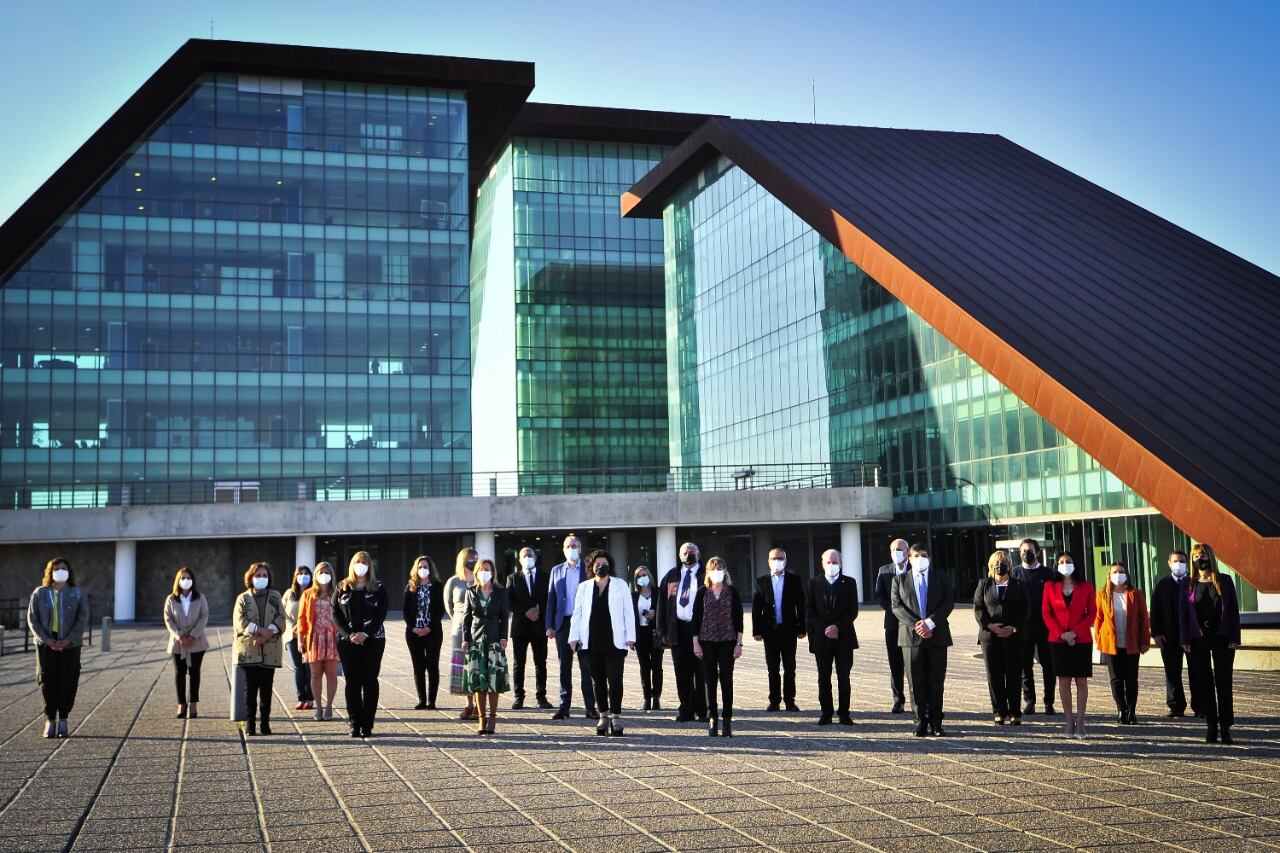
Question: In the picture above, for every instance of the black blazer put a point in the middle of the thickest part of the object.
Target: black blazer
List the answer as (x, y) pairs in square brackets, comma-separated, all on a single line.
[(490, 625), (942, 600), (1035, 579), (841, 612), (988, 608), (668, 593), (436, 611), (735, 606), (360, 611), (520, 601), (651, 604), (764, 621), (1165, 601), (884, 594)]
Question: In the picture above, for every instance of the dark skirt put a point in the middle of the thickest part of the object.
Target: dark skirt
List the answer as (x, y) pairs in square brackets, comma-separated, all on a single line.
[(1072, 661)]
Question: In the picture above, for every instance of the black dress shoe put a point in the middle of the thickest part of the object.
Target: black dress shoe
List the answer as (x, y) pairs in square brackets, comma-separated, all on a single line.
[(793, 707), (544, 704), (1212, 735), (421, 706), (824, 720), (562, 714), (774, 706), (182, 712), (1226, 735), (657, 706), (1123, 718), (430, 706), (265, 727), (1029, 708), (355, 731), (1176, 713), (702, 718), (1048, 709), (936, 731), (922, 730), (591, 714), (517, 704), (713, 729), (846, 720), (684, 718), (1015, 721), (648, 706), (602, 727), (898, 708)]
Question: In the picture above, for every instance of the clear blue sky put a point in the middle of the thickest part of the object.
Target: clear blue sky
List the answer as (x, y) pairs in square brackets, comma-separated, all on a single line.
[(1174, 105)]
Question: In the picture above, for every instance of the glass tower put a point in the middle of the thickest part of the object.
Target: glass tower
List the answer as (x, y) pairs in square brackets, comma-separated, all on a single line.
[(267, 298)]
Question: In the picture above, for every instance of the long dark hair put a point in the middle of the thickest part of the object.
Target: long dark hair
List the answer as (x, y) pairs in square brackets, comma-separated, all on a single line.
[(195, 587)]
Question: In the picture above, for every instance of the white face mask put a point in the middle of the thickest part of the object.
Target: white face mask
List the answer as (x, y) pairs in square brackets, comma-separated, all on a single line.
[(899, 557), (920, 564), (185, 583), (1066, 569), (571, 554), (1179, 569), (832, 570), (304, 581), (360, 569), (716, 575), (60, 575), (529, 562), (642, 581), (260, 583), (1118, 578), (325, 578), (485, 576), (777, 566), (424, 572)]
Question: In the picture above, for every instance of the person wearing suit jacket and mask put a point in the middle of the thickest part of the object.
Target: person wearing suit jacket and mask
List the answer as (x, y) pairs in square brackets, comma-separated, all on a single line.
[(360, 614), (423, 610), (648, 648), (1068, 608), (565, 579), (1034, 576), (778, 619), (257, 621), (603, 629), (923, 600), (1166, 633), (1001, 604), (717, 641), (58, 615), (186, 613), (884, 591), (830, 610), (676, 592), (527, 590), (1210, 619)]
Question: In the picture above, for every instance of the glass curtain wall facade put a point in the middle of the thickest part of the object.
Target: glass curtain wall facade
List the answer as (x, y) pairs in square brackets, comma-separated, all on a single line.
[(784, 350), (590, 347), (267, 298)]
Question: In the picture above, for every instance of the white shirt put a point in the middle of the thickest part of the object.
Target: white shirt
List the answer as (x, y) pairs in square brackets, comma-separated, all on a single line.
[(643, 603), (1121, 607), (685, 613), (185, 599)]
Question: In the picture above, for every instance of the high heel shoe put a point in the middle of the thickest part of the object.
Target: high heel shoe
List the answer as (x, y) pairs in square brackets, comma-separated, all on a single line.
[(1081, 734), (192, 713), (182, 712), (1068, 727)]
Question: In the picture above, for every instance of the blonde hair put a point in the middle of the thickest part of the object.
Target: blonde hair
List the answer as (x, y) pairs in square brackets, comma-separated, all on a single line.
[(480, 564), (460, 564), (1201, 550), (1108, 587), (414, 581), (715, 563), (370, 579), (314, 589), (995, 559)]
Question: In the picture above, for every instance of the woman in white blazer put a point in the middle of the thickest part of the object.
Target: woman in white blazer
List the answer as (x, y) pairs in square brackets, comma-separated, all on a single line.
[(186, 612), (603, 627)]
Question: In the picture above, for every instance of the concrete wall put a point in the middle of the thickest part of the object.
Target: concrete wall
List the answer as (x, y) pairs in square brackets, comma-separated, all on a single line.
[(22, 567), (219, 565)]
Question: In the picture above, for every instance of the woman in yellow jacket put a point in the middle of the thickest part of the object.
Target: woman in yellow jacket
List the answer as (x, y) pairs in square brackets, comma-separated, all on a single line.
[(1122, 627)]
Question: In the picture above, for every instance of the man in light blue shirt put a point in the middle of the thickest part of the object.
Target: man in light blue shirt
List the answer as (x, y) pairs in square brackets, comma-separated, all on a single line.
[(565, 578)]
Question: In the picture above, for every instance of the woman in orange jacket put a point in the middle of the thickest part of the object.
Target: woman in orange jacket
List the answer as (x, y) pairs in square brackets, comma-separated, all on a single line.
[(1068, 609), (1123, 628)]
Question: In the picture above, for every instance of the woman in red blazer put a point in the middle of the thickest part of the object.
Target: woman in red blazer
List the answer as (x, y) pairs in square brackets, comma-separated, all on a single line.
[(1069, 608)]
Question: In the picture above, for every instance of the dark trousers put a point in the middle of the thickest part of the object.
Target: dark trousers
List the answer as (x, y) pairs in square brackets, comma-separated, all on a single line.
[(690, 677), (1123, 670), (360, 666), (424, 654), (301, 673), (521, 646), (1211, 662), (927, 673), (842, 661), (1036, 647), (58, 674), (717, 667), (650, 658), (257, 691), (897, 666), (181, 669), (1003, 658), (780, 649), (566, 656), (606, 677), (1172, 655)]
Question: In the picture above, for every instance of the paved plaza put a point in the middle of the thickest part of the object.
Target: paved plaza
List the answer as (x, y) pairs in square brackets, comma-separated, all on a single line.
[(131, 777)]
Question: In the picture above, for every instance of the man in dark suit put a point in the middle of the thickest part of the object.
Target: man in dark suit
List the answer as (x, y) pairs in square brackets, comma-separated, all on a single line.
[(778, 618), (527, 589), (1166, 635), (884, 590), (924, 632), (832, 607), (674, 615), (1036, 645)]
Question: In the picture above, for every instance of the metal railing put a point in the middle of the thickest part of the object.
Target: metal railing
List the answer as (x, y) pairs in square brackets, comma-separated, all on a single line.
[(534, 481), (13, 623)]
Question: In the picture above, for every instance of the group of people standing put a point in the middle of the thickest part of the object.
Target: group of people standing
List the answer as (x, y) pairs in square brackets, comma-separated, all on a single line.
[(1026, 614)]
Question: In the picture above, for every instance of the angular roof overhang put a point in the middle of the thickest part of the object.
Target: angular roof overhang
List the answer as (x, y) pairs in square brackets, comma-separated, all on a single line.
[(1118, 327)]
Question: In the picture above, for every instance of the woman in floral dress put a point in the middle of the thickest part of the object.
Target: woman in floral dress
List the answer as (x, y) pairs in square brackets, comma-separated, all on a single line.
[(318, 638), (484, 634)]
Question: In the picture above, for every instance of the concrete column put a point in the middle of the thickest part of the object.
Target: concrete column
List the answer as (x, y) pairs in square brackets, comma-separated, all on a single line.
[(618, 548), (666, 556), (126, 580), (486, 544), (304, 551), (851, 550)]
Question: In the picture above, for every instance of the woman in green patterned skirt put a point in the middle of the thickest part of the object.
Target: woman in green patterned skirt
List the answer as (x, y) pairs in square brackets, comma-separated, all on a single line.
[(484, 641)]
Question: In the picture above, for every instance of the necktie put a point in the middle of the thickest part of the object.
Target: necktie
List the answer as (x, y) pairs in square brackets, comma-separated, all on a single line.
[(777, 605), (529, 578), (684, 588), (57, 616), (924, 592)]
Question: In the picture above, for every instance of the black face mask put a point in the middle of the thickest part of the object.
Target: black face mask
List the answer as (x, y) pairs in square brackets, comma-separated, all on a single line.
[(690, 559), (602, 571), (1203, 563), (1002, 569), (1029, 557), (470, 564)]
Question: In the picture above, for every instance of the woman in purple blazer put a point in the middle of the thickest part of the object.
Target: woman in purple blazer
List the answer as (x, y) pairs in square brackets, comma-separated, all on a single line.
[(1210, 620)]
